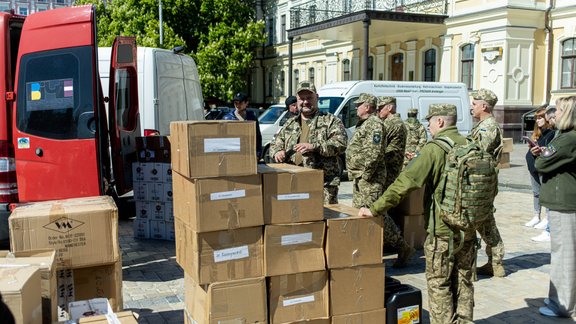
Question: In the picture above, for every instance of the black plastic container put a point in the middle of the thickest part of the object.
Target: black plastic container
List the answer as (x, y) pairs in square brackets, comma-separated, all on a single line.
[(403, 303)]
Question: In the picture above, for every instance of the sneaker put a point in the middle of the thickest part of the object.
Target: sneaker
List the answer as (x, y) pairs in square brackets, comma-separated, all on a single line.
[(542, 225), (546, 301), (547, 312), (535, 220), (543, 237)]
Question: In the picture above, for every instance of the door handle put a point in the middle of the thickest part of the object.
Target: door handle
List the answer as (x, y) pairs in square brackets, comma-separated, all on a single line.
[(39, 151)]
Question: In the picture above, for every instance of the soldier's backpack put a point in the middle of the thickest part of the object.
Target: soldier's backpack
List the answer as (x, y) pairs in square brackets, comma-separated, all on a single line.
[(468, 185)]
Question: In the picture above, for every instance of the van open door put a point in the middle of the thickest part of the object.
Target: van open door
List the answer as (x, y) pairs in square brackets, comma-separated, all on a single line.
[(124, 120)]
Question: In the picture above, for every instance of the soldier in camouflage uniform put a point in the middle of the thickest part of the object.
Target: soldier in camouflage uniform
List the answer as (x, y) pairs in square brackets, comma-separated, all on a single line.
[(488, 134), (365, 154), (312, 139), (417, 136), (395, 138), (448, 273)]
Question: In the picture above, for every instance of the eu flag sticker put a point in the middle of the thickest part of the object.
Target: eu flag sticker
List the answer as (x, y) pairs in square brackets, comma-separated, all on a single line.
[(35, 93)]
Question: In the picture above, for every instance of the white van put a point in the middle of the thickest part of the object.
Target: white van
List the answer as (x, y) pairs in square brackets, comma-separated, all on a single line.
[(168, 87), (338, 99)]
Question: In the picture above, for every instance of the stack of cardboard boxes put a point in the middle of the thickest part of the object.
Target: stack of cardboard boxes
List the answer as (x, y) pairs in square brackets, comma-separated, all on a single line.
[(152, 182), (83, 232), (409, 216)]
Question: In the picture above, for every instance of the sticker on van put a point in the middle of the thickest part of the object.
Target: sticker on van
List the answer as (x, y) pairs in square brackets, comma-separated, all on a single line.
[(23, 142)]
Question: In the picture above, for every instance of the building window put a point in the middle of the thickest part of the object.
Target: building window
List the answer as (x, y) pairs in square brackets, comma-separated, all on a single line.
[(430, 65), (4, 7), (370, 75), (270, 31), (270, 84), (23, 11), (346, 69), (283, 28), (296, 79), (60, 1), (312, 12), (467, 65), (311, 75), (282, 83), (568, 63)]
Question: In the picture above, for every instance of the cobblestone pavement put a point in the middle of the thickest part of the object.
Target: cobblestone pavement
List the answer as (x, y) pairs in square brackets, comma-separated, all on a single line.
[(153, 281)]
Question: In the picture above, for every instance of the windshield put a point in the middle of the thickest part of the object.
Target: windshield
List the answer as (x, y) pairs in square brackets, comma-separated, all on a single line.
[(329, 104), (271, 115)]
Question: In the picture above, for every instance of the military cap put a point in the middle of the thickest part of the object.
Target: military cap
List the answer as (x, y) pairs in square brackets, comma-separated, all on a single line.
[(366, 98), (441, 110), (290, 100), (386, 100), (306, 85), (240, 96), (413, 111), (486, 95)]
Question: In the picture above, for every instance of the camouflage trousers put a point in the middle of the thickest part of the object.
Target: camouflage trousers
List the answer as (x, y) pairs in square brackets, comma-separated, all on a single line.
[(450, 287), (330, 195), (494, 244), (365, 193)]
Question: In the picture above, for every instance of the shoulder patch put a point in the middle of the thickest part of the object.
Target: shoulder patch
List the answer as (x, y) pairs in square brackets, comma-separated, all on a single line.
[(377, 138)]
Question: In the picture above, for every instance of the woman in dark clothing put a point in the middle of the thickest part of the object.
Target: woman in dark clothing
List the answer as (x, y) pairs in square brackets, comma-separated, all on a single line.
[(240, 113)]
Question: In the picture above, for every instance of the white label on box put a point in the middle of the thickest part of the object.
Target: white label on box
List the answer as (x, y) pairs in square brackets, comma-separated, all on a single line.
[(292, 239), (296, 301), (228, 194), (234, 253), (219, 145), (294, 196)]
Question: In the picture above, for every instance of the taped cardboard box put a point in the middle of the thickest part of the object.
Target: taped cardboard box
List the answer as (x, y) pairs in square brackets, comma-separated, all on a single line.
[(126, 317), (222, 148), (45, 261), (83, 231), (508, 145), (370, 317), (20, 290), (298, 297), (221, 255), (504, 161), (414, 230), (292, 194), (294, 248), (238, 301), (413, 204), (216, 204), (153, 149), (352, 240), (357, 289), (313, 321)]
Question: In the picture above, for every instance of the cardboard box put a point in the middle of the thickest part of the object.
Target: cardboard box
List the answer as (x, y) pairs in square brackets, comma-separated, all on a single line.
[(414, 231), (219, 148), (504, 161), (216, 204), (508, 145), (20, 290), (153, 149), (141, 228), (314, 321), (86, 308), (357, 289), (126, 317), (238, 301), (413, 204), (220, 255), (352, 240), (375, 316), (293, 248), (83, 231), (45, 261), (298, 297), (292, 194)]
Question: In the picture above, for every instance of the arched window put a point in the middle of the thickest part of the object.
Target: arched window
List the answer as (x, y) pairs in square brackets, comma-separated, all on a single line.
[(467, 65), (568, 64), (282, 83), (430, 65), (370, 75), (346, 69), (311, 75)]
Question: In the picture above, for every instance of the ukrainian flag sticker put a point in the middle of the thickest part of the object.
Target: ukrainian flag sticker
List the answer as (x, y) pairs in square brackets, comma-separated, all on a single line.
[(35, 93)]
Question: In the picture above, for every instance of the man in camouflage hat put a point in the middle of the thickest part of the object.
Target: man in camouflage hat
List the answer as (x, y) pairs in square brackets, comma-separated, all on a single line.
[(312, 139), (395, 138), (448, 273), (488, 134), (416, 138)]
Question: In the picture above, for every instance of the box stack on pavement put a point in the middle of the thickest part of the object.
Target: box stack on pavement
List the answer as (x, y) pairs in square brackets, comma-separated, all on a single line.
[(409, 216), (152, 176), (506, 150), (84, 234)]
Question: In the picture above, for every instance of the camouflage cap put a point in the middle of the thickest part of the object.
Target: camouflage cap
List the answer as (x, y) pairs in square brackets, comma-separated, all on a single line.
[(486, 95), (413, 111), (306, 85), (366, 97), (441, 110), (386, 100)]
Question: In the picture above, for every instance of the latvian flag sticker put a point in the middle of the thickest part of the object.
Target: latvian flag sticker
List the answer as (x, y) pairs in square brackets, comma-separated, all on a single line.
[(68, 88)]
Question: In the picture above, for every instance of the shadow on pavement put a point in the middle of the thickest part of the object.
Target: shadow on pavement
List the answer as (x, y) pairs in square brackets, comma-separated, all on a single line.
[(524, 262), (528, 314), (147, 315)]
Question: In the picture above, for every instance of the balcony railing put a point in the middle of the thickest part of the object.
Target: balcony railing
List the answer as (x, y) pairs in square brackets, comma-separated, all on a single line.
[(316, 11)]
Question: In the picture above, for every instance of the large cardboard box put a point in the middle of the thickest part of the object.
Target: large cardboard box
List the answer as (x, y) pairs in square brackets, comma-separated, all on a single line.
[(238, 301), (370, 317), (202, 149), (313, 321), (414, 230), (504, 161), (352, 240), (293, 248), (221, 255), (83, 231), (292, 194), (357, 289), (153, 149), (216, 204), (508, 145), (45, 261), (126, 317), (298, 297), (413, 204), (20, 290)]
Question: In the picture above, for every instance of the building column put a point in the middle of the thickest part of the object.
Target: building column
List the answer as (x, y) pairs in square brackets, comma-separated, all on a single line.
[(380, 62), (331, 68), (446, 63), (290, 58), (355, 64), (366, 49), (411, 60)]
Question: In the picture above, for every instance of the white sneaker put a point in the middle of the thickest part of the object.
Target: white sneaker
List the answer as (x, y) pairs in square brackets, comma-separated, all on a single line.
[(535, 220), (542, 225), (543, 237)]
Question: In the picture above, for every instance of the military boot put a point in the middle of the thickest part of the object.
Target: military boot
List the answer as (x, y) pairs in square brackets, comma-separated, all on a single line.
[(404, 256), (489, 269)]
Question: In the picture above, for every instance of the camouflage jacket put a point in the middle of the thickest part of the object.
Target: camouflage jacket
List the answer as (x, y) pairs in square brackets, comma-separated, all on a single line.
[(365, 152), (395, 146), (326, 134), (417, 137), (488, 134)]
